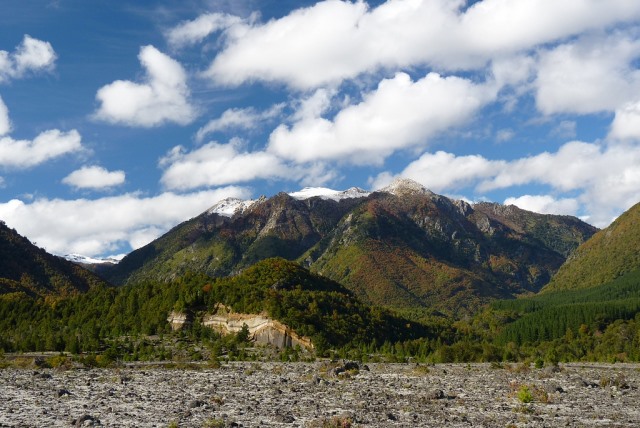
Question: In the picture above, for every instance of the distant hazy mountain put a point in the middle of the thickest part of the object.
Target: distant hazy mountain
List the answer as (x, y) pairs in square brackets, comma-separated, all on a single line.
[(609, 254), (26, 268), (403, 246)]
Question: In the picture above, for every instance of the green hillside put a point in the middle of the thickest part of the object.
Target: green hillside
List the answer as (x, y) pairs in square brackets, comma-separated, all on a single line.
[(313, 306), (610, 253), (549, 315)]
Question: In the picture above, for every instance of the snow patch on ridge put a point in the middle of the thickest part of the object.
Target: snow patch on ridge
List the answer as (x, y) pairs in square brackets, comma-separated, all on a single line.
[(324, 193), (229, 206), (406, 186)]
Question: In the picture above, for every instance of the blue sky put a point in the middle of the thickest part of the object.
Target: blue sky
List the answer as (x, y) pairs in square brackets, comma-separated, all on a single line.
[(119, 120)]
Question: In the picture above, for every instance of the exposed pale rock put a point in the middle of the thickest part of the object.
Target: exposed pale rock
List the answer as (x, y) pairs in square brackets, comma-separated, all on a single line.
[(262, 329), (178, 320)]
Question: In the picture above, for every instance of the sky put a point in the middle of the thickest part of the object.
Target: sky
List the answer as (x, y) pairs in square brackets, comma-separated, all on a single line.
[(121, 119)]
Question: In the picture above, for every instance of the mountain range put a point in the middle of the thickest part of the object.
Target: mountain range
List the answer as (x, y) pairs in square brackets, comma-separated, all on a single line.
[(400, 247), (411, 265)]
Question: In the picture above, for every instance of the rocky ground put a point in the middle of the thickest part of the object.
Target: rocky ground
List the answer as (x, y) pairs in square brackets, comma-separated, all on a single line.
[(318, 395)]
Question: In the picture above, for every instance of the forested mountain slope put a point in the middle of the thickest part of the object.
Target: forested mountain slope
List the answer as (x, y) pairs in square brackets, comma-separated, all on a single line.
[(28, 269), (406, 246), (220, 245), (610, 253), (313, 306)]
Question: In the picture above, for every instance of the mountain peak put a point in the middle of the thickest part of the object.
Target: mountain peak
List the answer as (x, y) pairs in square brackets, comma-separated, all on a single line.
[(406, 186)]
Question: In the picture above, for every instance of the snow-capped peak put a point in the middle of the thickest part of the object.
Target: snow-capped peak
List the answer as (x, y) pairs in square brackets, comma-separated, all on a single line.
[(229, 206), (405, 186), (324, 193), (85, 260)]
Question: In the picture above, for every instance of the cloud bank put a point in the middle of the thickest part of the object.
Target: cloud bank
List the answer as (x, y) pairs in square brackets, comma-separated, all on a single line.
[(216, 164), (194, 31), (297, 50), (239, 118), (100, 226), (5, 122), (604, 178), (398, 114)]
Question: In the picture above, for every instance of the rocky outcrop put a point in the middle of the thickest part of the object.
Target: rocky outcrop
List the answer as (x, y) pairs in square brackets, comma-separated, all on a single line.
[(178, 320), (262, 329)]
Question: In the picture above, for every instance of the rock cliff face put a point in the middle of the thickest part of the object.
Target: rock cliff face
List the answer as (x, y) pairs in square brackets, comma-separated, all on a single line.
[(178, 320), (262, 329)]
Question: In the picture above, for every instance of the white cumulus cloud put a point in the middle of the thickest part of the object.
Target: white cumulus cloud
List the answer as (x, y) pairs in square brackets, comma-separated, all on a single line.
[(566, 129), (20, 154), (398, 114), (194, 31), (444, 172), (239, 118), (94, 177), (105, 225), (575, 165), (545, 204), (5, 122), (47, 145), (336, 40), (162, 97), (590, 75), (31, 55), (626, 124), (216, 164)]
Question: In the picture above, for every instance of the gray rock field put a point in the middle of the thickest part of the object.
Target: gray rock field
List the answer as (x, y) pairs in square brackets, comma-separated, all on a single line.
[(317, 395)]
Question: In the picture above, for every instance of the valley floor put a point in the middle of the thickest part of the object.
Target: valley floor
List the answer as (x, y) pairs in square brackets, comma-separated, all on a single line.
[(310, 395)]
